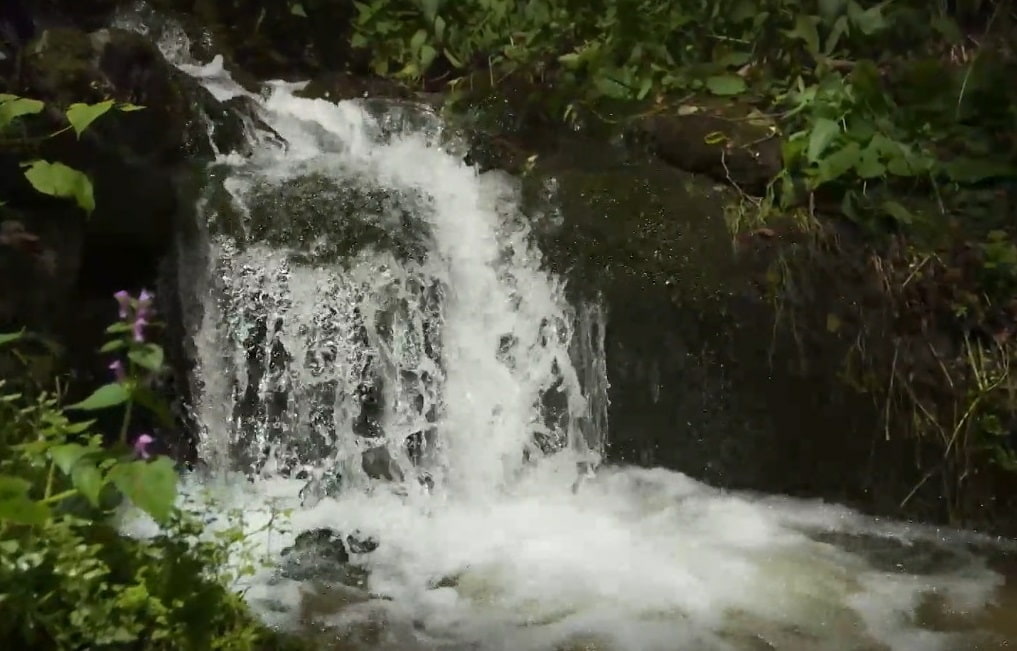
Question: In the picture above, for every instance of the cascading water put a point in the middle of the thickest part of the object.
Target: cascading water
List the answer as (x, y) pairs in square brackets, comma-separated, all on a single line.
[(379, 349)]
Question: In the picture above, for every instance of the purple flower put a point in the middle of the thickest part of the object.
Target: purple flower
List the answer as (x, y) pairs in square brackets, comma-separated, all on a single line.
[(141, 446), (145, 299), (118, 370), (139, 329), (124, 299)]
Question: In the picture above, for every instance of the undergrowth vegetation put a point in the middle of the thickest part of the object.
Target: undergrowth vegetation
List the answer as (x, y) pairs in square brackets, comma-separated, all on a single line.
[(897, 123), (69, 578)]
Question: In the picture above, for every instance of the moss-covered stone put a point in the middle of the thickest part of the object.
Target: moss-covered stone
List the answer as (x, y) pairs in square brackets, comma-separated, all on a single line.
[(729, 141)]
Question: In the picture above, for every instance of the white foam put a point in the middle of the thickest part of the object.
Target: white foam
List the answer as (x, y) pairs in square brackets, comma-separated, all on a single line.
[(635, 559)]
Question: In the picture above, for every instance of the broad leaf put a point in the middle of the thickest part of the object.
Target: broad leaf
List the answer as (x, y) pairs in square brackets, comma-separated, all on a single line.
[(725, 84), (82, 115), (66, 456), (430, 9), (149, 356), (59, 180), (805, 29), (898, 212), (839, 162), (110, 346), (15, 504), (824, 131), (10, 337), (88, 479), (13, 107), (152, 487), (104, 397)]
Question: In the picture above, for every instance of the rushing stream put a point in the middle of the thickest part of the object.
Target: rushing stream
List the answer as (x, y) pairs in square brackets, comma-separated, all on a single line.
[(380, 351)]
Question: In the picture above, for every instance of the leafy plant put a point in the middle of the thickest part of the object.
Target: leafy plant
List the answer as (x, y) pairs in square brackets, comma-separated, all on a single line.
[(68, 578), (54, 178)]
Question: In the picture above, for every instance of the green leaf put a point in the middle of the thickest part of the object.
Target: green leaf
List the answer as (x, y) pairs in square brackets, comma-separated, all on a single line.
[(869, 165), (81, 115), (10, 337), (418, 39), (838, 163), (870, 20), (644, 87), (824, 131), (570, 60), (13, 107), (149, 356), (439, 28), (427, 54), (725, 85), (66, 456), (152, 487), (129, 108), (430, 9), (297, 9), (110, 346), (88, 479), (805, 29), (453, 59), (898, 212), (15, 504), (104, 397), (59, 180), (840, 27), (734, 59)]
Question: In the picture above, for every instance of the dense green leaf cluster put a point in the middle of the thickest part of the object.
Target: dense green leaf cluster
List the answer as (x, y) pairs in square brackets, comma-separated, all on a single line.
[(863, 92)]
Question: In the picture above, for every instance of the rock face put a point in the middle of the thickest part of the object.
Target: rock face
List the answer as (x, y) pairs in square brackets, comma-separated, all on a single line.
[(730, 143), (61, 266), (700, 379)]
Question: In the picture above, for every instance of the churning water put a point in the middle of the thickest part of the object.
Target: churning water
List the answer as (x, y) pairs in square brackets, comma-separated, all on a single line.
[(379, 350)]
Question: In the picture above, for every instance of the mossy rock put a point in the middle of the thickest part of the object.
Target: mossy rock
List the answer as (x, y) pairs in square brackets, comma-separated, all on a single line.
[(731, 142), (320, 220)]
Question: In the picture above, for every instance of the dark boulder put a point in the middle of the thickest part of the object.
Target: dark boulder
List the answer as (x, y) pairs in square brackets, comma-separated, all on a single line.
[(325, 555), (733, 144)]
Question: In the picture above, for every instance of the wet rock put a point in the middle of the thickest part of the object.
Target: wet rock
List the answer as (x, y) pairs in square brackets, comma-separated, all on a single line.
[(270, 41), (323, 555), (339, 86), (699, 380), (379, 464), (318, 488), (360, 544)]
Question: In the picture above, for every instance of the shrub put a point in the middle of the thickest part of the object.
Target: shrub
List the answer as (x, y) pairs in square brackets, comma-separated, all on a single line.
[(68, 578)]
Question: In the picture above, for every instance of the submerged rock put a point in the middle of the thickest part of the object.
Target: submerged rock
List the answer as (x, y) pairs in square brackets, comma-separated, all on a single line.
[(378, 463), (324, 555)]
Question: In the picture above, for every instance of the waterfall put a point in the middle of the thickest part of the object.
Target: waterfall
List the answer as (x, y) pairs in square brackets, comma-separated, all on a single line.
[(372, 291), (378, 346)]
